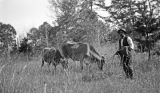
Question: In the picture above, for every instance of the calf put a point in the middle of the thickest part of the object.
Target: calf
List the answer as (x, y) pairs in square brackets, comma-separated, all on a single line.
[(52, 55)]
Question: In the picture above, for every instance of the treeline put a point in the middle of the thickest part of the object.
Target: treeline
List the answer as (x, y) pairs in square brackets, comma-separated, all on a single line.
[(78, 19), (141, 18)]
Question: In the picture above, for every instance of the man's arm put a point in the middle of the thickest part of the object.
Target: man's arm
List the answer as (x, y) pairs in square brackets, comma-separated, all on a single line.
[(130, 42)]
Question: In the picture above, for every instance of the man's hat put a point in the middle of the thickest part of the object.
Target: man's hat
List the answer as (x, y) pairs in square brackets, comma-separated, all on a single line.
[(121, 31)]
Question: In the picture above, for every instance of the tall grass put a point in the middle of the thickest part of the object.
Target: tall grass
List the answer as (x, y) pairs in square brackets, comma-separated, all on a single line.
[(21, 76)]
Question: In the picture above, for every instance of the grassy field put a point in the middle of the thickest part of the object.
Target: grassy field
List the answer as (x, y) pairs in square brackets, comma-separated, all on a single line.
[(20, 76)]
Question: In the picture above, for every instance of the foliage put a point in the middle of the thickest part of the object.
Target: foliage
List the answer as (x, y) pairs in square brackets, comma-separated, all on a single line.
[(139, 18), (113, 37), (14, 49), (7, 38), (7, 34), (77, 19), (34, 34), (147, 23), (42, 35), (25, 47)]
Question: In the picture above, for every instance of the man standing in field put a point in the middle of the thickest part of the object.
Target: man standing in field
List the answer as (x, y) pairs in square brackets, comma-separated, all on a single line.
[(125, 47)]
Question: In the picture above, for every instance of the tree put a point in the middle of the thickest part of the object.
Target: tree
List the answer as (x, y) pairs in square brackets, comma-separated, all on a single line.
[(77, 19), (140, 17), (150, 22), (25, 47), (7, 34), (121, 13), (41, 37), (7, 37), (44, 33), (53, 35)]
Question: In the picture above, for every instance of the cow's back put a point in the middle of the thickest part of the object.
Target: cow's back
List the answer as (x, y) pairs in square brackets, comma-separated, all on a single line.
[(74, 51)]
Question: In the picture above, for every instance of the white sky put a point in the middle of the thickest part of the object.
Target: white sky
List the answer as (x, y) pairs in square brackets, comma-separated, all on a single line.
[(25, 14)]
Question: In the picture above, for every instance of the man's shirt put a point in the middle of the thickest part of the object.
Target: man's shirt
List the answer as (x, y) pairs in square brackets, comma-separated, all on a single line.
[(129, 41)]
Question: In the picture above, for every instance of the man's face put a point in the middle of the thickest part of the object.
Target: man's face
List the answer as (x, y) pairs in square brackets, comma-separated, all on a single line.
[(122, 34)]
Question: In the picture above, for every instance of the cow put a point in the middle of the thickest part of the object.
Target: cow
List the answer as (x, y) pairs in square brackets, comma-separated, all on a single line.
[(80, 51), (53, 55)]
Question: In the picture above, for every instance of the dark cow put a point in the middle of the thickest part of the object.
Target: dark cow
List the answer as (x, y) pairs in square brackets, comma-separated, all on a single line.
[(81, 51), (52, 55)]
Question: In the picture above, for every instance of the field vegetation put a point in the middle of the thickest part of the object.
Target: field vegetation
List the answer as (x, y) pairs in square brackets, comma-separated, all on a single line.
[(22, 76), (20, 59)]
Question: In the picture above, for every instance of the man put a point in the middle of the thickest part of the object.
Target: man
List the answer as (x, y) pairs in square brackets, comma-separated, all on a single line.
[(125, 47)]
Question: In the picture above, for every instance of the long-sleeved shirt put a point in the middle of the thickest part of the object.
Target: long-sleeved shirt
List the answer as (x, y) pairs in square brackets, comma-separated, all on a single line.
[(130, 42)]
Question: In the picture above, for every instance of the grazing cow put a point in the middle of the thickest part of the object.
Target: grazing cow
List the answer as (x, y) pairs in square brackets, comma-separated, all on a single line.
[(52, 55), (81, 51)]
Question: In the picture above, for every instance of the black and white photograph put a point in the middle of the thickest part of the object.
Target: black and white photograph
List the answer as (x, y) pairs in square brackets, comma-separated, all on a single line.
[(79, 46)]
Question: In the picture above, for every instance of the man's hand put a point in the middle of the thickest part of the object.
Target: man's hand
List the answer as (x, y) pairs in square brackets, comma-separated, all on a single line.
[(126, 48), (118, 52)]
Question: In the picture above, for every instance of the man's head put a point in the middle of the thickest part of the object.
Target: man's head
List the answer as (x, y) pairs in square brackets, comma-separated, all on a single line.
[(121, 32)]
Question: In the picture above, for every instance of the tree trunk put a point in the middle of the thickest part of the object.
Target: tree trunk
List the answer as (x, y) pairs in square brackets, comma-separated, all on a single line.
[(148, 46), (149, 53), (8, 52), (91, 2), (46, 35)]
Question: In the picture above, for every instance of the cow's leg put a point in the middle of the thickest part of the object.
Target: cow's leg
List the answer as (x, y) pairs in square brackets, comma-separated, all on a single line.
[(55, 63), (42, 63), (49, 66), (88, 64), (64, 63), (102, 61), (101, 65), (89, 67), (55, 69), (81, 63)]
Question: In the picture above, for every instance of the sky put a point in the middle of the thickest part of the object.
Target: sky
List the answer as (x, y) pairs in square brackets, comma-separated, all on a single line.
[(25, 14)]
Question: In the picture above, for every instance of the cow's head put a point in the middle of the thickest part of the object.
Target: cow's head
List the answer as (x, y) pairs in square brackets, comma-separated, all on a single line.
[(64, 63), (101, 63)]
